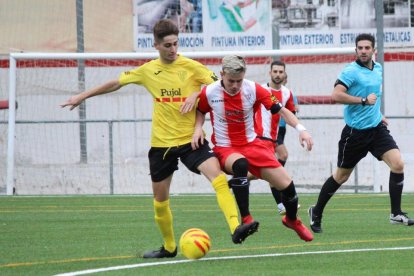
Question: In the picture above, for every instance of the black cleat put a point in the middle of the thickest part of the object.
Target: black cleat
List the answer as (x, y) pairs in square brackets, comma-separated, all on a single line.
[(401, 218), (160, 253), (243, 231), (315, 221)]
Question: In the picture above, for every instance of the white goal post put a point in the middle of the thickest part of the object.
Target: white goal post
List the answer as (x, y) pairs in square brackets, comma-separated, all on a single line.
[(295, 74)]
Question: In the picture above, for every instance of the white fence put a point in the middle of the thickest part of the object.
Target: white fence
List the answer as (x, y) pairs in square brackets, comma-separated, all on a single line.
[(43, 143)]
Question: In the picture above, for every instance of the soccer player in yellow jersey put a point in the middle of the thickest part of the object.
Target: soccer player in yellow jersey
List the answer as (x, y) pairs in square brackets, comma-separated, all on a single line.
[(173, 80)]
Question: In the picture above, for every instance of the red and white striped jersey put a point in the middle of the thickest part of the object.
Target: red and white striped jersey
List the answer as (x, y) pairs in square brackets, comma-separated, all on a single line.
[(266, 124), (232, 116)]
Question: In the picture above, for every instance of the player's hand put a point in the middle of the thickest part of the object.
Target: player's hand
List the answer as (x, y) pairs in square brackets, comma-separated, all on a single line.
[(73, 102), (189, 103), (371, 99), (306, 140), (198, 138)]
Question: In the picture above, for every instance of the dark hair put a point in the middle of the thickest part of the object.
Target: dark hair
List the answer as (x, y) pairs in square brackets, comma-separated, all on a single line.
[(163, 28), (279, 63), (369, 37)]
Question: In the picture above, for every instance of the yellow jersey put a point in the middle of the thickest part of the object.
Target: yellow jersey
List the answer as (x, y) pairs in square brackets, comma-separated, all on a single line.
[(170, 85)]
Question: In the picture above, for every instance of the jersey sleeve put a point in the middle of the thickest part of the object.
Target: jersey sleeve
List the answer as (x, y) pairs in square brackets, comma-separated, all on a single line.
[(203, 105), (132, 76), (264, 97), (290, 104), (203, 74), (347, 76)]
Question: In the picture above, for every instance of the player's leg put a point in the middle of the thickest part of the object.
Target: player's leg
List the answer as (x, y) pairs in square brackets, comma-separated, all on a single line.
[(237, 165), (352, 147), (281, 150), (328, 189), (396, 184), (282, 155), (162, 170), (279, 179), (278, 198), (203, 160), (211, 169)]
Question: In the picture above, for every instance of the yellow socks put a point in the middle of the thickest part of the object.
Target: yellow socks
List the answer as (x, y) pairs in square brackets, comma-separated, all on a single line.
[(226, 201), (164, 219)]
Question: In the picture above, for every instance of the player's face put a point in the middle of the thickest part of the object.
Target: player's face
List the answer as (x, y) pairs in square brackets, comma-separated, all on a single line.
[(167, 48), (365, 51), (277, 74), (232, 82)]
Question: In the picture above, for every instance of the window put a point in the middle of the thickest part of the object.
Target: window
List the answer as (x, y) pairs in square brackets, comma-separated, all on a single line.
[(389, 7)]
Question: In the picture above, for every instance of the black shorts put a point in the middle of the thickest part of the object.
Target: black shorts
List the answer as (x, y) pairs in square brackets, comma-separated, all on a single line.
[(281, 135), (164, 161), (355, 144)]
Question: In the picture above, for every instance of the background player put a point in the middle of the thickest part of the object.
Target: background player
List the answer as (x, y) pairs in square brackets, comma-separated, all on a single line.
[(269, 127)]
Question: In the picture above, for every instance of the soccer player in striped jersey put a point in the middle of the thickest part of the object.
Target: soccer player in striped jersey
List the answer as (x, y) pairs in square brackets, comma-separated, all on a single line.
[(268, 126), (359, 88), (170, 79), (231, 103), (281, 149)]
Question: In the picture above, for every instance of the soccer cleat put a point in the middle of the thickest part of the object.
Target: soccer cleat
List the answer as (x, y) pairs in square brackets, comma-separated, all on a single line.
[(315, 221), (244, 230), (401, 218), (160, 253), (299, 228)]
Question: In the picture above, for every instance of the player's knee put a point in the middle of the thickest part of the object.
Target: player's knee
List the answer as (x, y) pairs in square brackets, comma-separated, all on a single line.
[(240, 167), (398, 167), (341, 176), (341, 179), (283, 156)]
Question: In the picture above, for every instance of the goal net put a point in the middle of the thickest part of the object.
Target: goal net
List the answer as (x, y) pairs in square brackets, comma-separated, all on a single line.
[(101, 148)]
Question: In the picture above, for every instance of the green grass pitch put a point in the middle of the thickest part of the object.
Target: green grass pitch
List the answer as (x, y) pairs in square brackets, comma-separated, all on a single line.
[(53, 235)]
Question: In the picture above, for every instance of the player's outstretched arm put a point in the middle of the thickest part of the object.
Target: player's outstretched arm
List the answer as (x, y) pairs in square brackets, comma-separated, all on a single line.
[(198, 136), (107, 87)]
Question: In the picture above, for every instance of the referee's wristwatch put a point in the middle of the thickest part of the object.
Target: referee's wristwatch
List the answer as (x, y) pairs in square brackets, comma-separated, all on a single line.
[(363, 101)]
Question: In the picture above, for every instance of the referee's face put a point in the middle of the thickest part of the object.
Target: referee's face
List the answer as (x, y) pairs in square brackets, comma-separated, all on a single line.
[(365, 51), (167, 48)]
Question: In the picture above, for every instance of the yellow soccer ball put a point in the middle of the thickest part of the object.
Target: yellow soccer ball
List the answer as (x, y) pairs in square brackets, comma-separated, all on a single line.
[(194, 243)]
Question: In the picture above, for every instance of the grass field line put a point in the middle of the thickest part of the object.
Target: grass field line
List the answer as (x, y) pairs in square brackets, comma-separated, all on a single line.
[(313, 244), (122, 267)]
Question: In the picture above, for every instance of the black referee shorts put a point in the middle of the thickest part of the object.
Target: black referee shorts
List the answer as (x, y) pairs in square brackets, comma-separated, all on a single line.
[(164, 161), (356, 143)]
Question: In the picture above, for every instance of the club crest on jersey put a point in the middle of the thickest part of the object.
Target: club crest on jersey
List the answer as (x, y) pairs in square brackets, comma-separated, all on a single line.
[(274, 99), (182, 75)]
